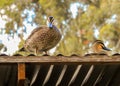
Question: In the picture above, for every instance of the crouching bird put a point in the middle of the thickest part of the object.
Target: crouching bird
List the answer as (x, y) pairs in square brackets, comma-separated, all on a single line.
[(42, 39), (99, 47)]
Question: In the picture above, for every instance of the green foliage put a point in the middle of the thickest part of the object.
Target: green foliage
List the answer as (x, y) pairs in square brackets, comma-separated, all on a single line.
[(53, 8), (4, 3), (1, 46), (107, 31)]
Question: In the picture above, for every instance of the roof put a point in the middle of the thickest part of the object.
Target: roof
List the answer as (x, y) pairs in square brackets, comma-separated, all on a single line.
[(74, 70)]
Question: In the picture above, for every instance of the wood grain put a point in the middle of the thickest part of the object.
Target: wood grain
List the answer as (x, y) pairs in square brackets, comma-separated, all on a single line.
[(61, 59)]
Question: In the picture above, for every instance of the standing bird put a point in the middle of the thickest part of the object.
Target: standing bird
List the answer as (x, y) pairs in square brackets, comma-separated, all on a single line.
[(42, 39), (99, 47)]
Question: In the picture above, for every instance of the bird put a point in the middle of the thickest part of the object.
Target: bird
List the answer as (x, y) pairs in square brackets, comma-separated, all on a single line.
[(99, 47), (42, 39)]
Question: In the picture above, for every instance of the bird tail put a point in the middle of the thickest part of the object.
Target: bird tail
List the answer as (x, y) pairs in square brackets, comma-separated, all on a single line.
[(22, 49)]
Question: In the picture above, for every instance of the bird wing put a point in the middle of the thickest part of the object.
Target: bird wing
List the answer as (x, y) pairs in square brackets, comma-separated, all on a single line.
[(34, 31)]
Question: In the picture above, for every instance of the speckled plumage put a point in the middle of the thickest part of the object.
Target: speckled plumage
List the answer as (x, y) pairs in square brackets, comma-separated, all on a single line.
[(42, 39)]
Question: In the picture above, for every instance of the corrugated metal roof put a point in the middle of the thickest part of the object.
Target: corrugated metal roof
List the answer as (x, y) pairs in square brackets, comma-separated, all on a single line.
[(92, 70)]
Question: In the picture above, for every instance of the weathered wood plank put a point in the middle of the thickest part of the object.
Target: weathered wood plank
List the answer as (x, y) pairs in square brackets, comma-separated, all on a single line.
[(96, 71), (41, 75), (21, 74), (115, 81), (8, 75), (108, 75), (81, 75), (61, 59), (68, 75), (54, 76)]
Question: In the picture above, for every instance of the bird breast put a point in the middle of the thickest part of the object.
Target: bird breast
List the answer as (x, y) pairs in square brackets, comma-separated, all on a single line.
[(43, 39)]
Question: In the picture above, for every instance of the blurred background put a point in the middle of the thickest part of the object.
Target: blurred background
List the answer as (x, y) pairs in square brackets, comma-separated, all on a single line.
[(80, 21)]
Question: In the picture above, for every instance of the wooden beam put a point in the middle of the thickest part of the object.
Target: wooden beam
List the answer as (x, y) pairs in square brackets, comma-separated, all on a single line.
[(21, 74), (97, 59)]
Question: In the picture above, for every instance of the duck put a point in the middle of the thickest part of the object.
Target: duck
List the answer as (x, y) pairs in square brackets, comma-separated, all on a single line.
[(43, 38), (99, 47)]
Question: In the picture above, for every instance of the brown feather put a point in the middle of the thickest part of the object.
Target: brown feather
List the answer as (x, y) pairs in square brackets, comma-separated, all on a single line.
[(43, 38)]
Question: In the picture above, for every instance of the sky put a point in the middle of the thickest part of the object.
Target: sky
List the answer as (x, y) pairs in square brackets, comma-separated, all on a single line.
[(12, 43)]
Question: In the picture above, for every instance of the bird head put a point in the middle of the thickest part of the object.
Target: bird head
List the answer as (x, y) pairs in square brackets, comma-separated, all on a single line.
[(50, 21), (99, 47)]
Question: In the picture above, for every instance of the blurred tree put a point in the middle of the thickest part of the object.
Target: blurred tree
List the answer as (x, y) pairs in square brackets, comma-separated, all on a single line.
[(79, 31), (98, 14), (1, 46)]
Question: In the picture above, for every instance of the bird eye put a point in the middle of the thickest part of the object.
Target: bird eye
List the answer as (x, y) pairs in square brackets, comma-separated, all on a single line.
[(51, 19)]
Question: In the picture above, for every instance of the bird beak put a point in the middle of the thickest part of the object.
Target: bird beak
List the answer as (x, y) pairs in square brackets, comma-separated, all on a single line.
[(105, 48)]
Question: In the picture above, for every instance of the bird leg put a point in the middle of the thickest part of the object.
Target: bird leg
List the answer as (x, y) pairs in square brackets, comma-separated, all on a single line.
[(36, 51), (46, 53)]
